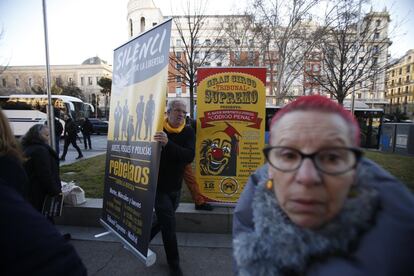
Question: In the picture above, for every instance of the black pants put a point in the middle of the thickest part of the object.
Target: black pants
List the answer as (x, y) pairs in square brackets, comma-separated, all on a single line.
[(87, 138), (69, 140), (165, 206)]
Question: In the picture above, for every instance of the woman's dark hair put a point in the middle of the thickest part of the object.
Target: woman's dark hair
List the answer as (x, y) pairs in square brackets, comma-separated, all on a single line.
[(33, 135)]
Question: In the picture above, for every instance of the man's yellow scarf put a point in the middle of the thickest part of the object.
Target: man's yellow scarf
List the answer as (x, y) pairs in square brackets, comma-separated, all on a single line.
[(171, 129)]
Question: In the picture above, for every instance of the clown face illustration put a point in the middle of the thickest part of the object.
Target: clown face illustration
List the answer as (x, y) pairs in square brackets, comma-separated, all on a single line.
[(218, 156)]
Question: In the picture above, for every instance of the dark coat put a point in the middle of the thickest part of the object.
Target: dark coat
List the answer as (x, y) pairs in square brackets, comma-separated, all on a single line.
[(42, 167), (176, 154), (31, 245), (385, 248), (13, 173), (87, 127), (71, 129)]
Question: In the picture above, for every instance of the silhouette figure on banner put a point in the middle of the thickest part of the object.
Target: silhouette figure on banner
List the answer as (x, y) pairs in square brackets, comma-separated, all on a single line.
[(140, 116), (125, 114), (149, 117), (117, 120), (130, 129)]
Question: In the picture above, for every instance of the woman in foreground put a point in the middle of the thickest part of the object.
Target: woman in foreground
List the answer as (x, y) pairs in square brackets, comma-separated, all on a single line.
[(317, 207)]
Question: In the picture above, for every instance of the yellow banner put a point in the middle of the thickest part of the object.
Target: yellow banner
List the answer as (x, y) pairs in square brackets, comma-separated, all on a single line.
[(230, 130)]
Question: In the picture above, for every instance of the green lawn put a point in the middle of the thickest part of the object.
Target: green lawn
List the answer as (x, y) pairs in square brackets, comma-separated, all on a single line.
[(89, 173), (400, 166)]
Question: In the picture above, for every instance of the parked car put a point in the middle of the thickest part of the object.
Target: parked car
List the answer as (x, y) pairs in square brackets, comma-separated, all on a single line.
[(99, 126)]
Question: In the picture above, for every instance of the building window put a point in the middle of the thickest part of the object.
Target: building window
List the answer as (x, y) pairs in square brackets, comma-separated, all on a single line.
[(17, 83), (89, 80), (4, 82), (237, 41), (400, 71), (408, 68), (219, 41), (131, 28), (70, 81), (378, 22), (218, 64), (30, 82), (208, 42), (178, 66), (197, 41), (154, 23), (375, 49), (82, 81), (97, 79), (251, 42), (142, 24), (376, 35), (178, 78), (207, 64), (196, 54), (178, 91), (178, 42), (251, 55), (178, 55)]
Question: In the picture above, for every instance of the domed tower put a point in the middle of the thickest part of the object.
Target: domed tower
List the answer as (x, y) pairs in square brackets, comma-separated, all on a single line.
[(142, 15)]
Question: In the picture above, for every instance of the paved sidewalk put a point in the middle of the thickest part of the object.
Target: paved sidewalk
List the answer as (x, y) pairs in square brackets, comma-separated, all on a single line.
[(201, 254), (98, 147)]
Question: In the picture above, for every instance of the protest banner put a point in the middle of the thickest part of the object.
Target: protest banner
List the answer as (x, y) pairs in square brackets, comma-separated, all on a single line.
[(230, 130), (140, 72)]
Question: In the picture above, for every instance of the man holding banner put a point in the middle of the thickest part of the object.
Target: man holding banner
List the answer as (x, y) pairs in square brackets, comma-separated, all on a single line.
[(178, 142)]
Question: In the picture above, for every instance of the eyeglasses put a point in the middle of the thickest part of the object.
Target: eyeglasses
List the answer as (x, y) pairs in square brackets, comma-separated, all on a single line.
[(178, 111), (333, 161)]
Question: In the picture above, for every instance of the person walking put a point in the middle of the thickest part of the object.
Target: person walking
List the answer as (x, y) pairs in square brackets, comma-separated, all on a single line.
[(42, 165), (70, 133), (178, 142), (87, 129), (58, 133)]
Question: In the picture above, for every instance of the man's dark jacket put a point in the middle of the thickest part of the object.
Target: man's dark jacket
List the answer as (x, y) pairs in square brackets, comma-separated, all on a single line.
[(175, 155)]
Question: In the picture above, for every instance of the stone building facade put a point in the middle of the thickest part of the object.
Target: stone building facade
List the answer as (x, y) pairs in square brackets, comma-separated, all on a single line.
[(23, 79), (400, 85)]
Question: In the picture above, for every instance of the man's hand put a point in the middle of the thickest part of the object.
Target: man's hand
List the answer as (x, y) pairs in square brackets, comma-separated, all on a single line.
[(161, 136)]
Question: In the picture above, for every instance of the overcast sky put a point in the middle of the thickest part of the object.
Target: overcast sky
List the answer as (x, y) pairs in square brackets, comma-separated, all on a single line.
[(79, 29)]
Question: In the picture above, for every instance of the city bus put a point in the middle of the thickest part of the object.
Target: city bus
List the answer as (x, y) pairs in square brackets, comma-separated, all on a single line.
[(369, 120), (25, 110)]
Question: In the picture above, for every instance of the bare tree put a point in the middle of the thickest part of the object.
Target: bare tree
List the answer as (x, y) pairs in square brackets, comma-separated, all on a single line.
[(354, 51), (241, 32), (188, 52), (286, 36)]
